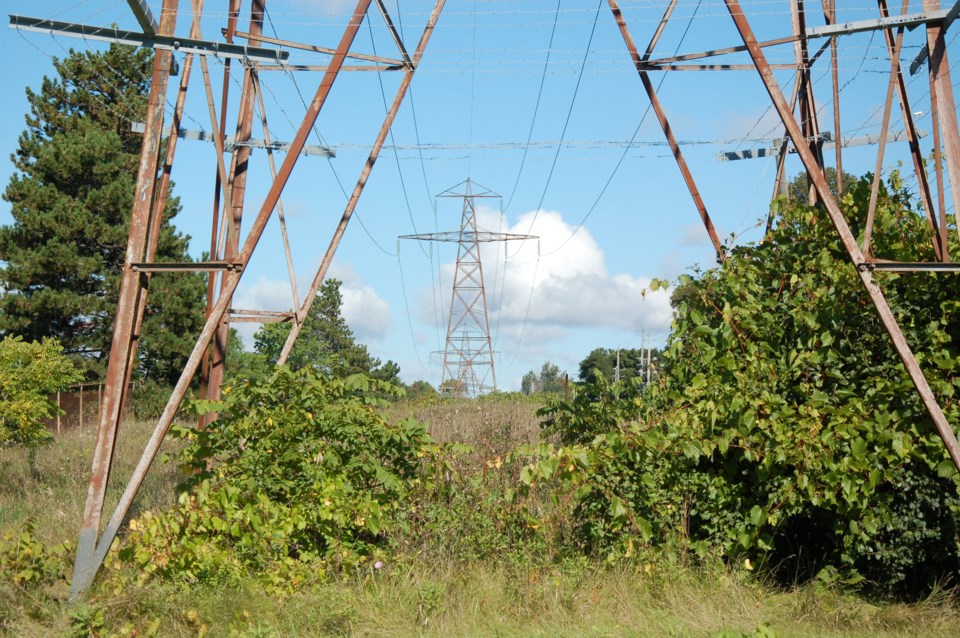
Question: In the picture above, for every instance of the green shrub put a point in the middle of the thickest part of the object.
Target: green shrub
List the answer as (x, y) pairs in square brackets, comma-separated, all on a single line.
[(26, 562), (30, 372), (784, 428), (597, 408), (297, 476), (463, 514)]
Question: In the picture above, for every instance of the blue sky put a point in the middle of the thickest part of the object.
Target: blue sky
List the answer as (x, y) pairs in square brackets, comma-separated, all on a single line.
[(606, 226)]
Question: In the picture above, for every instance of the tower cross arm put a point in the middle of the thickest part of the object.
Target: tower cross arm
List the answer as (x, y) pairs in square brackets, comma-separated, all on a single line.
[(482, 236)]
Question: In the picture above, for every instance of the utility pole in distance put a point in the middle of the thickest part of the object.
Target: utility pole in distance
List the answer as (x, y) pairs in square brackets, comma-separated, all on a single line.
[(468, 347)]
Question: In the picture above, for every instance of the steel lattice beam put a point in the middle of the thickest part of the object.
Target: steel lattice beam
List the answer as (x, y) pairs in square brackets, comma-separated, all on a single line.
[(468, 342), (819, 180), (230, 253), (157, 42)]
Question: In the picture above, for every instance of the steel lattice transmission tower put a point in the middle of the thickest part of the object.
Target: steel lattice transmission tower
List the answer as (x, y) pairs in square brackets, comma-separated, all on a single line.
[(468, 355)]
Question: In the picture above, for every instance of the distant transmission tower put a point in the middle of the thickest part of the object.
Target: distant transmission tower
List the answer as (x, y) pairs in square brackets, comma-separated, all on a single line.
[(468, 356)]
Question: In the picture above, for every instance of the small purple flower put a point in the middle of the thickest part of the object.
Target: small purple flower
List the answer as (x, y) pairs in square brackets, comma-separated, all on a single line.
[(378, 565)]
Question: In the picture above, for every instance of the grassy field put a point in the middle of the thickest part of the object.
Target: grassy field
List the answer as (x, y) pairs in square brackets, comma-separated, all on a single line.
[(425, 590)]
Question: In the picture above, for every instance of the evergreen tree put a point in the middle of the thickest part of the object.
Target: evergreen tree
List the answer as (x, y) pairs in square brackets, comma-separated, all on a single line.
[(325, 341), (549, 381), (71, 200)]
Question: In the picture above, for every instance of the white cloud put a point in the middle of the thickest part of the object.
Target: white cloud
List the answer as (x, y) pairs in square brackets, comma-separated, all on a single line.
[(365, 311), (265, 294), (568, 286)]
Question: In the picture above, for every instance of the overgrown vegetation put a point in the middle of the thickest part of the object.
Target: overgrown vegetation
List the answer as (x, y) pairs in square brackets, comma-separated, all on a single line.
[(29, 373), (784, 430), (298, 476), (326, 344), (778, 477)]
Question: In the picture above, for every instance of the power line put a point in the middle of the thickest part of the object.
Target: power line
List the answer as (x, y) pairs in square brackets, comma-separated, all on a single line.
[(536, 108), (630, 144), (553, 165), (333, 169)]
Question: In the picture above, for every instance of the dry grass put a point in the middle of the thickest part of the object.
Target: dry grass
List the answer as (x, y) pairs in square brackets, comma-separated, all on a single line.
[(54, 493), (492, 426), (484, 600), (422, 595)]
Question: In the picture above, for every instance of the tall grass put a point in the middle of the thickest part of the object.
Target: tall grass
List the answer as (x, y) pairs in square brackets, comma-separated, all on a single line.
[(52, 495), (491, 425), (430, 588), (486, 600)]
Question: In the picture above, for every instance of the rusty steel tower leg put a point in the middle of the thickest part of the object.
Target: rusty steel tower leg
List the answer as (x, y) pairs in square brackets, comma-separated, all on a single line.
[(808, 109), (161, 195), (221, 181), (913, 139), (830, 16), (942, 88), (133, 287), (846, 237), (92, 552), (233, 212), (885, 124), (639, 62)]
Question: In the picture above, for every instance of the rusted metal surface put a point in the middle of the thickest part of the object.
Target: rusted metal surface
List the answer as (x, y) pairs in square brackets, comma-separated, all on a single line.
[(221, 181), (132, 286), (940, 76), (397, 40), (808, 109), (913, 139), (911, 266), (91, 552), (233, 212), (158, 42), (828, 31), (661, 27), (141, 10), (937, 153), (639, 62), (361, 182), (830, 16), (952, 15), (157, 210), (318, 49), (780, 183), (716, 67), (887, 107), (846, 237)]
